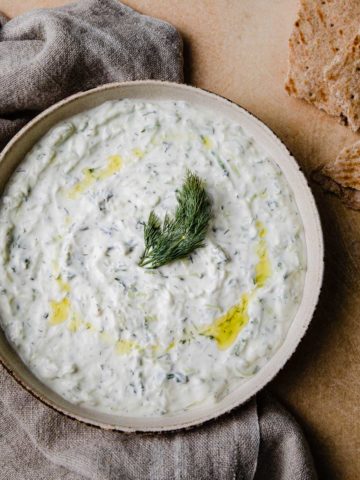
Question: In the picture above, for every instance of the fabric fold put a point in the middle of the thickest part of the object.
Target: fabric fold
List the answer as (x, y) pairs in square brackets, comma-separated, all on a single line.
[(257, 441), (49, 54)]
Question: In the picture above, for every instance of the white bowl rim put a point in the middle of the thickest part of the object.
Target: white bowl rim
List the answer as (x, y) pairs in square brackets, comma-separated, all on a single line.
[(312, 287)]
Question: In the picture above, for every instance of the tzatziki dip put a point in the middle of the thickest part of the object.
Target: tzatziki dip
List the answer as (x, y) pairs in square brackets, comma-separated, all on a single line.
[(108, 334)]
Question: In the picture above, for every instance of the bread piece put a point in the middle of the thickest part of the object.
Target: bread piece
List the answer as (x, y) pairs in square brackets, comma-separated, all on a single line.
[(322, 30), (343, 176), (343, 79)]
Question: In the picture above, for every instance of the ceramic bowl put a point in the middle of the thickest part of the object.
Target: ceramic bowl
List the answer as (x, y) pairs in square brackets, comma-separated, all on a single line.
[(14, 153)]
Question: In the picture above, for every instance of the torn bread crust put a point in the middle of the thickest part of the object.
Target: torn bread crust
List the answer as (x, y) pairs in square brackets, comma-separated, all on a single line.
[(321, 32), (342, 177)]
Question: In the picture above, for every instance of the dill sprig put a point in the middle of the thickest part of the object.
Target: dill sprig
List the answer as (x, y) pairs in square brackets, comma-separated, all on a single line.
[(181, 234)]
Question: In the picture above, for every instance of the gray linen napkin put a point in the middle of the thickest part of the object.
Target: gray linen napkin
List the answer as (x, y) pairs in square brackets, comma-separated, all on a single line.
[(46, 55), (259, 441)]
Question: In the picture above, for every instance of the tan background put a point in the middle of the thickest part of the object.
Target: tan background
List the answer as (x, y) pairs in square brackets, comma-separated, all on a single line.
[(238, 48)]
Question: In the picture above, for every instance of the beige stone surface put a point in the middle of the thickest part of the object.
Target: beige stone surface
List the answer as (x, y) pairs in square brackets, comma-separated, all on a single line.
[(238, 49)]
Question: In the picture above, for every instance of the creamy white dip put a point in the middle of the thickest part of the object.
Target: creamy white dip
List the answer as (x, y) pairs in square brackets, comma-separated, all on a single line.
[(102, 331)]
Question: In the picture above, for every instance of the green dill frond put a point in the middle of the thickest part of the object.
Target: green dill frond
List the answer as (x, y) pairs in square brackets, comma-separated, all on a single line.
[(181, 234)]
